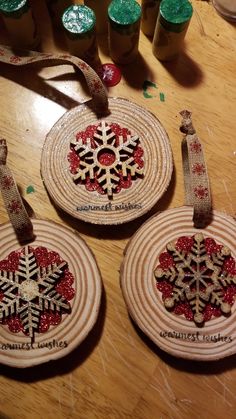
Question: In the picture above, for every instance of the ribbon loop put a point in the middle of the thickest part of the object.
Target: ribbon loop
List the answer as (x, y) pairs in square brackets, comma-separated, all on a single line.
[(196, 182), (94, 83), (12, 199)]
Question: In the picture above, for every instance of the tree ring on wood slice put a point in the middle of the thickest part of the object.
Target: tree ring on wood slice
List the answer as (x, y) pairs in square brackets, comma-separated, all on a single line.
[(145, 178), (174, 333), (55, 278)]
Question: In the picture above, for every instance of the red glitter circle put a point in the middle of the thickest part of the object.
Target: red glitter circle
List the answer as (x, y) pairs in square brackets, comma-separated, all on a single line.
[(106, 158)]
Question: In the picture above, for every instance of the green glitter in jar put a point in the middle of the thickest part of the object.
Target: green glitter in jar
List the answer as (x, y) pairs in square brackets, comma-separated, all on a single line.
[(174, 15), (14, 8), (78, 19), (124, 12)]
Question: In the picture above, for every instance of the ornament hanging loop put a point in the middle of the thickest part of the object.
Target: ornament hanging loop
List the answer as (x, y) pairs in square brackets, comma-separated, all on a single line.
[(196, 182), (94, 83), (12, 199)]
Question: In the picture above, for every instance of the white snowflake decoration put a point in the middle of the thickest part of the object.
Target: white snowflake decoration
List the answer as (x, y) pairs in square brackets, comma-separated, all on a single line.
[(31, 290), (123, 162)]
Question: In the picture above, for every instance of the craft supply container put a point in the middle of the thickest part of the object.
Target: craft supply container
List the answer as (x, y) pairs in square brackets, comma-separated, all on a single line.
[(123, 30), (100, 8), (171, 27), (19, 22), (79, 25), (150, 9), (226, 8), (56, 9)]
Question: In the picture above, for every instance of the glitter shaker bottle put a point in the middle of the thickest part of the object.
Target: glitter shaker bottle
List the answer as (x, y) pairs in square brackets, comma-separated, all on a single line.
[(79, 25), (19, 22), (171, 27), (123, 30)]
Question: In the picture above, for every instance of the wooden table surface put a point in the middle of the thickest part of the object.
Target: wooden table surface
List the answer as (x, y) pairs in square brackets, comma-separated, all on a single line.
[(117, 372)]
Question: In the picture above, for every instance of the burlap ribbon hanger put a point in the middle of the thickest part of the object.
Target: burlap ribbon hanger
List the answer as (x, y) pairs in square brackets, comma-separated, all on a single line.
[(196, 182), (95, 85), (12, 199)]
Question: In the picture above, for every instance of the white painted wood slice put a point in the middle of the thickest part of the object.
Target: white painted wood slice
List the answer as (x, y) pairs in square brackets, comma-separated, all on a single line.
[(129, 203), (61, 339), (171, 332)]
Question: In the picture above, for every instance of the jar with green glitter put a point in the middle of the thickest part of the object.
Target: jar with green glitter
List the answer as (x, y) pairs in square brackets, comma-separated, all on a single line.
[(19, 22), (79, 25), (123, 30), (171, 27)]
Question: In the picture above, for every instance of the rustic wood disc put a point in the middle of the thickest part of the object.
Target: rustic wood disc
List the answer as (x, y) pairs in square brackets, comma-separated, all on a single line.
[(174, 333), (59, 340), (128, 204)]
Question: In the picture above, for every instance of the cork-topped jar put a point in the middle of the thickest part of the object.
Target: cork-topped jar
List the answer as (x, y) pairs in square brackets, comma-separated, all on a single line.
[(79, 26), (124, 28), (171, 27), (19, 22)]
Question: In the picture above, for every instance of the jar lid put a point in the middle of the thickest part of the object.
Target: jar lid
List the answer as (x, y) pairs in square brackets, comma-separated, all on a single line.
[(78, 19), (175, 15), (124, 12), (13, 6)]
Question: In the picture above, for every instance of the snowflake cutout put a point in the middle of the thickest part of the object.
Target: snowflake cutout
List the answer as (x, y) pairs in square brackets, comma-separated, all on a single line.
[(34, 288), (106, 158), (197, 278)]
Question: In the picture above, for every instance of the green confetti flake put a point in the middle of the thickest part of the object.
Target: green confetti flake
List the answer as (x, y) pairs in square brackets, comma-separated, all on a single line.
[(162, 97), (30, 189), (147, 88)]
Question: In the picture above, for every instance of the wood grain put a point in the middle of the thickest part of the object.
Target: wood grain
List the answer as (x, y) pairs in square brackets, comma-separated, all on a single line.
[(117, 372), (129, 203), (175, 334), (74, 327)]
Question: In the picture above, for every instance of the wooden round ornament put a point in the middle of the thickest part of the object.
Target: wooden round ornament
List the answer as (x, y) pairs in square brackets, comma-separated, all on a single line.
[(107, 161), (113, 191), (50, 285), (178, 276), (172, 332)]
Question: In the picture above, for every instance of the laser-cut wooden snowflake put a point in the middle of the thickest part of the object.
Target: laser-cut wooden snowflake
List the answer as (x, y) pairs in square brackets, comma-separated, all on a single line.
[(31, 290), (92, 163), (197, 274)]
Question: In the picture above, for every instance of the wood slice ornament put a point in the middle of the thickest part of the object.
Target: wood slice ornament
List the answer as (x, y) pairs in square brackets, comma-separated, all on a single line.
[(100, 159), (50, 285), (178, 276), (99, 171)]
